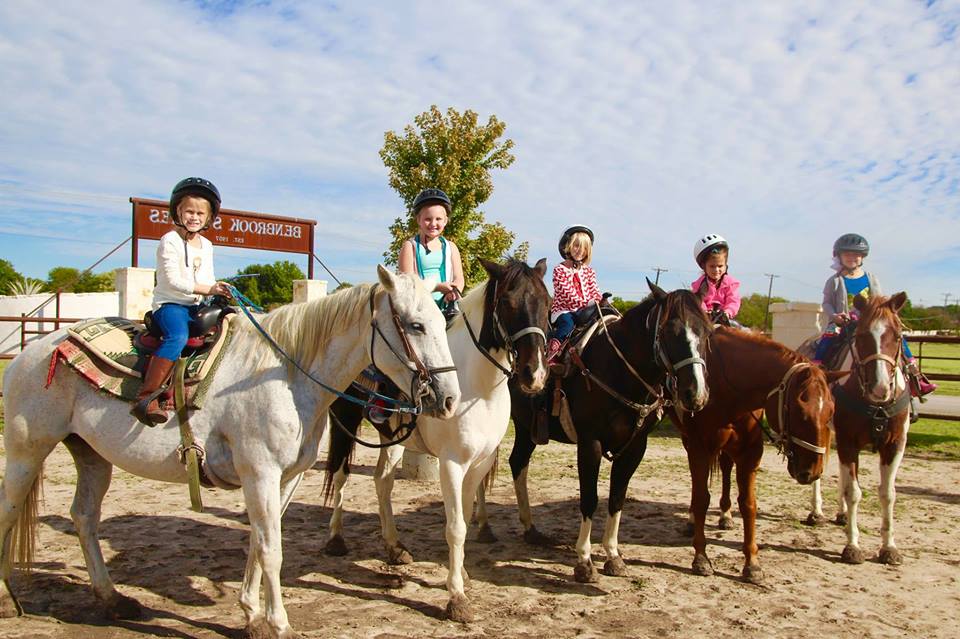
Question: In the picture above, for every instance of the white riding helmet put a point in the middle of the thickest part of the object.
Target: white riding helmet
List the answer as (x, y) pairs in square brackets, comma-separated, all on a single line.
[(705, 244)]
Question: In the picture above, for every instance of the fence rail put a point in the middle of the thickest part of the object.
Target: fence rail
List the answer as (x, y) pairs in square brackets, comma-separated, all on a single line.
[(25, 334)]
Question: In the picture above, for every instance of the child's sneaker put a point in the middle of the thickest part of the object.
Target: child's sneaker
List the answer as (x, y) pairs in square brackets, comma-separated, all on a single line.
[(554, 346), (376, 412)]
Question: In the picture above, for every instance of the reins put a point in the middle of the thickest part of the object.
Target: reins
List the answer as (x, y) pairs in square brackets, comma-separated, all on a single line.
[(423, 374)]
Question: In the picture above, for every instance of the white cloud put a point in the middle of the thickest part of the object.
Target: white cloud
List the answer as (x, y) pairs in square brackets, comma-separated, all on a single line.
[(654, 122)]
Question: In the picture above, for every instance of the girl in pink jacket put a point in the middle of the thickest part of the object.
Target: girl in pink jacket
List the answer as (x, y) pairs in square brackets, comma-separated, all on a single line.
[(721, 293)]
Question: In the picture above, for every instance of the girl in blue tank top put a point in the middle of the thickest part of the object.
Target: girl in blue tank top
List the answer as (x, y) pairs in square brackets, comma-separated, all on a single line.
[(429, 255)]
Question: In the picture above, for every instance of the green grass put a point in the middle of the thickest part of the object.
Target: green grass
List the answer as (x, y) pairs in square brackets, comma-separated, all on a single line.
[(934, 438), (939, 365)]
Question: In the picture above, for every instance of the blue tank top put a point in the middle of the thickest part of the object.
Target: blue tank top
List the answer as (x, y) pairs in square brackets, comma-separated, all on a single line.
[(432, 265)]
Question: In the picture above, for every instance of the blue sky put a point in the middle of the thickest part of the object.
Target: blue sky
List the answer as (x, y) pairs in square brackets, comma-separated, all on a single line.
[(779, 125)]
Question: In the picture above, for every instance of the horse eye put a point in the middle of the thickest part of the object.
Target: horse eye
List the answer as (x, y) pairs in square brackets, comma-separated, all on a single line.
[(416, 326)]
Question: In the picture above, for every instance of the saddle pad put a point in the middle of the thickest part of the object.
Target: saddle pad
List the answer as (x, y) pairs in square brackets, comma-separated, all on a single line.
[(101, 351)]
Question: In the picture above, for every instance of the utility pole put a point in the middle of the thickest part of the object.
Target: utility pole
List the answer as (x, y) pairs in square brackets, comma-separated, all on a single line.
[(659, 271), (766, 312), (946, 296)]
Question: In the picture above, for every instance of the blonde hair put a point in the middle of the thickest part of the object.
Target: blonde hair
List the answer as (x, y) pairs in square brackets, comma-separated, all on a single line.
[(582, 241)]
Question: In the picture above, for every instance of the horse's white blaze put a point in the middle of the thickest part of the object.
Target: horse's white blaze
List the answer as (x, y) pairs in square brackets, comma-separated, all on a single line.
[(540, 373), (610, 535), (881, 388), (583, 540), (699, 372)]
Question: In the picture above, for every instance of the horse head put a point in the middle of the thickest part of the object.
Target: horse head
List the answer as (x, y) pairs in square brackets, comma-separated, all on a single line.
[(681, 331), (417, 357), (516, 312), (878, 346), (800, 409)]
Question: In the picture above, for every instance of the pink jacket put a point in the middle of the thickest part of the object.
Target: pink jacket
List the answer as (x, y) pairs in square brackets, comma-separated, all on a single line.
[(726, 293)]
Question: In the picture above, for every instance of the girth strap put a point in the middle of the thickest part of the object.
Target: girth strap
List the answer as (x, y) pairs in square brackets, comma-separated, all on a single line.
[(878, 414)]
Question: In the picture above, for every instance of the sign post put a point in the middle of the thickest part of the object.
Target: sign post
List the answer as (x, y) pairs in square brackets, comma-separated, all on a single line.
[(241, 229)]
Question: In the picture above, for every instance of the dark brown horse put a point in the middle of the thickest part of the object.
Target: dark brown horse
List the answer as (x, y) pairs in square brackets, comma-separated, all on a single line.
[(748, 373), (873, 406), (614, 400)]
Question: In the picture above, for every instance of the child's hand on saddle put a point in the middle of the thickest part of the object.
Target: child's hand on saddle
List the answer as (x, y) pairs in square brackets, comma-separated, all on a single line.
[(841, 319), (220, 288)]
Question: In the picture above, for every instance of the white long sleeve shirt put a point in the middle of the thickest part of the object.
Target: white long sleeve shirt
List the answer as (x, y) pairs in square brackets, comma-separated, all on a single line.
[(177, 275)]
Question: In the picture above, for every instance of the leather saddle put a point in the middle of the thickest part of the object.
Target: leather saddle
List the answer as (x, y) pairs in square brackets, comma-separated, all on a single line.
[(205, 325)]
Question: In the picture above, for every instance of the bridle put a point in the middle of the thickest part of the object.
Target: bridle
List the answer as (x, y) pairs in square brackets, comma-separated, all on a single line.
[(671, 368), (893, 362), (501, 335), (783, 439), (423, 377)]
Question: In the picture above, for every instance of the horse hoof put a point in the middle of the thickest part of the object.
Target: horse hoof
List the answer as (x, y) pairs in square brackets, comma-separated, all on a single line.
[(851, 555), (258, 628), (615, 567), (9, 608), (485, 535), (122, 607), (725, 522), (813, 519), (702, 566), (585, 572), (688, 529), (399, 555), (536, 538), (458, 609), (840, 519), (891, 557), (336, 546), (753, 574)]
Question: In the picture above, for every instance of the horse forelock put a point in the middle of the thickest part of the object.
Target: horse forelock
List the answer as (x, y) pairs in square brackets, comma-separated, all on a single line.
[(878, 310), (303, 330)]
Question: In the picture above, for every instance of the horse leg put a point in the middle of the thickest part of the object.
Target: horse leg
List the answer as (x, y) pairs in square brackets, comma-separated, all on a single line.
[(484, 532), (93, 480), (520, 455), (850, 489), (699, 464), (623, 469), (815, 516), (726, 468), (452, 486), (747, 501), (262, 493), (588, 469), (888, 496), (336, 546), (397, 553), (19, 498)]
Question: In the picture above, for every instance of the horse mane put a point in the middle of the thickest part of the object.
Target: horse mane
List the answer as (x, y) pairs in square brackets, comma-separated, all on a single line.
[(304, 330), (878, 308)]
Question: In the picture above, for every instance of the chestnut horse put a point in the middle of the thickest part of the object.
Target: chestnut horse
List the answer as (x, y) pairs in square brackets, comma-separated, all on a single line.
[(748, 373), (614, 401), (873, 409)]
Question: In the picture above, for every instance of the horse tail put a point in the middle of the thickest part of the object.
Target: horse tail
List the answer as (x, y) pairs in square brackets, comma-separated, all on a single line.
[(24, 532), (340, 451), (714, 467), (491, 476)]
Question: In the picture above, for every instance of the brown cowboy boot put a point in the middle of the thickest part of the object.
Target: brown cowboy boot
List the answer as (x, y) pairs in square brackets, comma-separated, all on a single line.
[(147, 409)]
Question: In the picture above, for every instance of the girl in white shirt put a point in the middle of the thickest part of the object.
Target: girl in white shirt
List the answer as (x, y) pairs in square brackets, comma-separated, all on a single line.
[(184, 276)]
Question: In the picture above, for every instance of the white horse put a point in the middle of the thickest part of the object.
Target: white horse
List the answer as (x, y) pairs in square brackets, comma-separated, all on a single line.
[(508, 314), (261, 426)]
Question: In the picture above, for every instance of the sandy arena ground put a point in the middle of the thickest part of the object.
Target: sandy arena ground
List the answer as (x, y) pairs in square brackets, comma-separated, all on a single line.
[(185, 568)]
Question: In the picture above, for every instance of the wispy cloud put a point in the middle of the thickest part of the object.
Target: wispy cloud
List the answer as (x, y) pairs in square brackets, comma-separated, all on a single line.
[(778, 126)]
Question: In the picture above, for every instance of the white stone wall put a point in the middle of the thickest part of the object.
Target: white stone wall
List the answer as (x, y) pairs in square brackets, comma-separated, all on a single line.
[(75, 305), (795, 322)]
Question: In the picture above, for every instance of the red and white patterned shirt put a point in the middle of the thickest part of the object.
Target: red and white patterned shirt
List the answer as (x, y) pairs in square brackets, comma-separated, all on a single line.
[(573, 289)]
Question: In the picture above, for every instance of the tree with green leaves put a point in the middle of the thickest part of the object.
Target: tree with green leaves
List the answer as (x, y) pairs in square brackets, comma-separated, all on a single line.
[(8, 276), (70, 280), (273, 285), (452, 152)]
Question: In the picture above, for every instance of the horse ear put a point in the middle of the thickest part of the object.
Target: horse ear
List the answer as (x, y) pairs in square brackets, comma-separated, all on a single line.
[(494, 270), (387, 279), (658, 293), (859, 302), (541, 267), (897, 301), (703, 289)]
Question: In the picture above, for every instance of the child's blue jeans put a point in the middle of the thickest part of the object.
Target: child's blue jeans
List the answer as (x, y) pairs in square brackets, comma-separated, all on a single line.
[(174, 322), (563, 326)]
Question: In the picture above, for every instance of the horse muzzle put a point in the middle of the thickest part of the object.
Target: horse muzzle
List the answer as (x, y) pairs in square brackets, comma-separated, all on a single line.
[(441, 396)]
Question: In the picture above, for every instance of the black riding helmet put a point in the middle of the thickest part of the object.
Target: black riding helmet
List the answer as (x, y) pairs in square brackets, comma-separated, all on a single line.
[(852, 242), (577, 228), (431, 196), (195, 187)]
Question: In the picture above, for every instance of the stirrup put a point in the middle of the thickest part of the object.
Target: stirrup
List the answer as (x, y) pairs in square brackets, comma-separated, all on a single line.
[(143, 416)]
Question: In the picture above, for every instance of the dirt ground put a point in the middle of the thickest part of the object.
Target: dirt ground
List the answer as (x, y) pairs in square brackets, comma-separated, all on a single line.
[(185, 568)]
